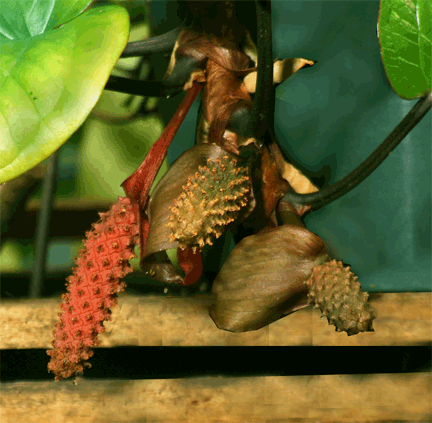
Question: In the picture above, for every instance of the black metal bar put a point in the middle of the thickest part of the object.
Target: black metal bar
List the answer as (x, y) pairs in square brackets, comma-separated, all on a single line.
[(358, 175), (263, 108), (49, 189)]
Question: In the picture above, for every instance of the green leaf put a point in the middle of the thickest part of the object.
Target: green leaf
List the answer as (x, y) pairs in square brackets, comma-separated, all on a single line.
[(405, 33), (50, 82), (105, 162), (20, 19)]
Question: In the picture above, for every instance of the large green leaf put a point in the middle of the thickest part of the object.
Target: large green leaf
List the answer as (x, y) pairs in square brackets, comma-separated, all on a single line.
[(405, 32), (50, 82)]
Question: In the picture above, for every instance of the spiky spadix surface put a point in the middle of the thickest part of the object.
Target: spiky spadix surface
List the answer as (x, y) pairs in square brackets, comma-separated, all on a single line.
[(93, 288), (335, 290), (211, 199)]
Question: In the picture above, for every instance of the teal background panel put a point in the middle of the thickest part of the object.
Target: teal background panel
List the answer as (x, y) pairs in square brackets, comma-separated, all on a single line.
[(330, 117)]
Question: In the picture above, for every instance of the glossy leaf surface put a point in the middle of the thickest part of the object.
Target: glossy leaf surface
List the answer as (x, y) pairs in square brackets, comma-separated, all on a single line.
[(49, 82), (405, 32), (21, 19)]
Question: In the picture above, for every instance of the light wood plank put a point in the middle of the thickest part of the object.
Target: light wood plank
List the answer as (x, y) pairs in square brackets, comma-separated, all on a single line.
[(403, 319), (335, 398)]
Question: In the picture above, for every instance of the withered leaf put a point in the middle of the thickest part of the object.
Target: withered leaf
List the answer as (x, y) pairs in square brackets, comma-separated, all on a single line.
[(264, 278), (282, 70)]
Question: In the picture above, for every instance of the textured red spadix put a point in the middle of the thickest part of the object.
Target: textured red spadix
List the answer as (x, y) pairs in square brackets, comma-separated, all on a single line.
[(93, 288)]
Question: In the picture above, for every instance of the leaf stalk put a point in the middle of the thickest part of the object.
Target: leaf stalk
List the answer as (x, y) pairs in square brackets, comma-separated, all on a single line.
[(358, 175)]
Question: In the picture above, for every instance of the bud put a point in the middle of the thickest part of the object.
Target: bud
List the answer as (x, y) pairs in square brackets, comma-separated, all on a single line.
[(335, 290)]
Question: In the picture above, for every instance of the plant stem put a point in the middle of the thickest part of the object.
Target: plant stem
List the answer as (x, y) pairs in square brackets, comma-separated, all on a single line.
[(49, 189), (137, 186), (144, 88), (358, 175), (159, 44)]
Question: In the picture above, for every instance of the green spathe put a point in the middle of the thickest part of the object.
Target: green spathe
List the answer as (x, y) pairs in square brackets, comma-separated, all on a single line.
[(50, 82)]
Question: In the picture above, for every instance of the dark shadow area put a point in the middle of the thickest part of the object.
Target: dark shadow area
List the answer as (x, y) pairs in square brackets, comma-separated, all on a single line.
[(17, 285), (63, 223), (181, 362)]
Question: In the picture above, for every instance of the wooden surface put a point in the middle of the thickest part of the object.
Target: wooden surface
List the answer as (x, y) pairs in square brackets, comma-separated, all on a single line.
[(403, 319), (329, 398)]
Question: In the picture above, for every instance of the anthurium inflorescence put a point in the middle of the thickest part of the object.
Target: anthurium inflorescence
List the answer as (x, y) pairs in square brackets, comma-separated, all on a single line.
[(278, 268), (212, 199), (336, 291), (281, 270), (203, 192)]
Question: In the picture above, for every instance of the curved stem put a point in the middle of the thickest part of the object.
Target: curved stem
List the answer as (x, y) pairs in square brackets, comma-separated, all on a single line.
[(159, 44), (358, 175), (144, 88), (137, 186), (263, 106)]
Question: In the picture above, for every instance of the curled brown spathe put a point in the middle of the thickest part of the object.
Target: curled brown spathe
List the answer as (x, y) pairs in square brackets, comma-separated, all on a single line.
[(264, 278), (282, 270)]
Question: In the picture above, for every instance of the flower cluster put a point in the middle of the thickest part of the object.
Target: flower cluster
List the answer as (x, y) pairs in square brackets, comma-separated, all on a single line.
[(276, 268)]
